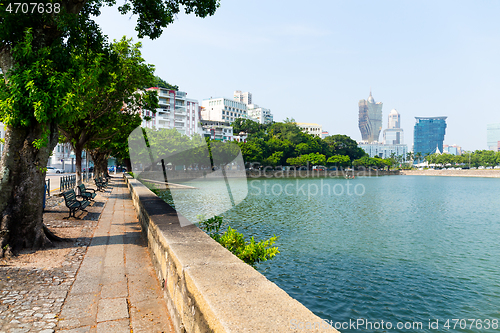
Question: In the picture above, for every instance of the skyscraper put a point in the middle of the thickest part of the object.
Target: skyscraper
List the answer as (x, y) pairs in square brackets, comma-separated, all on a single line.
[(428, 134), (393, 135), (370, 119), (493, 136)]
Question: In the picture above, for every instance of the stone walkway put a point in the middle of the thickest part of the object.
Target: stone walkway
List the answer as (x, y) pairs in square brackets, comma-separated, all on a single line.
[(106, 283)]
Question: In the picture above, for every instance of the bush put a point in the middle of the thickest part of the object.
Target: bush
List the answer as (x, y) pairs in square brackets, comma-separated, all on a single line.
[(250, 252)]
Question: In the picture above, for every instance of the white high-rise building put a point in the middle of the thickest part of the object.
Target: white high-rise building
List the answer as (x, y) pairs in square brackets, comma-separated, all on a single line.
[(175, 111), (259, 114), (393, 135), (394, 119), (243, 97), (223, 109)]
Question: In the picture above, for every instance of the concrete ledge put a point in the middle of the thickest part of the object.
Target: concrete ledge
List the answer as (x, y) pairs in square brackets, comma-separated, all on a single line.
[(206, 287), (486, 173)]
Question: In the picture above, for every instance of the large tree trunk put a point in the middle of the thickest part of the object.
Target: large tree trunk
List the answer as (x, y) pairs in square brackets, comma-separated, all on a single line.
[(100, 163), (22, 178), (78, 163), (128, 164)]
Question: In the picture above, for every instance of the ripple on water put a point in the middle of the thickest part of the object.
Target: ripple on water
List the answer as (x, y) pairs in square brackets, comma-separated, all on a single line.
[(409, 249)]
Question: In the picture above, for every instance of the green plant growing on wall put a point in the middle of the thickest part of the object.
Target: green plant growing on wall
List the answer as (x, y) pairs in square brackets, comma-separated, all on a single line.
[(250, 252)]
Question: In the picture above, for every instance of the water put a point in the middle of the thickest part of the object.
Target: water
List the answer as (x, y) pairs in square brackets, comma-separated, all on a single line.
[(407, 249)]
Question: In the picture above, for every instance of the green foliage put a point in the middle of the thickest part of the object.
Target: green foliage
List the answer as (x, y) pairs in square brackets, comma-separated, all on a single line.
[(159, 82), (308, 159), (284, 143), (39, 87), (339, 160), (367, 161), (211, 226), (485, 158), (250, 252)]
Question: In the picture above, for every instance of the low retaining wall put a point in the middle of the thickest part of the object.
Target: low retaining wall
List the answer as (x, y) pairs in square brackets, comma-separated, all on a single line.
[(206, 287), (453, 173)]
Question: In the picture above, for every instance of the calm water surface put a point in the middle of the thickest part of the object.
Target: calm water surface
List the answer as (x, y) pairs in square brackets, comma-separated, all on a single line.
[(409, 249)]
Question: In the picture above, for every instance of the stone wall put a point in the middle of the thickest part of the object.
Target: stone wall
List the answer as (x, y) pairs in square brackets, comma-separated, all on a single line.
[(206, 287), (491, 173)]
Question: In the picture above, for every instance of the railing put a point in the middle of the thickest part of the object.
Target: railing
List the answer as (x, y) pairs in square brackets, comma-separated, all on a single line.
[(85, 178), (47, 184), (67, 182)]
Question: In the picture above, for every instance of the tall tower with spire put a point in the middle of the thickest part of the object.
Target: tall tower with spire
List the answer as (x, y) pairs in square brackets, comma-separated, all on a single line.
[(370, 119)]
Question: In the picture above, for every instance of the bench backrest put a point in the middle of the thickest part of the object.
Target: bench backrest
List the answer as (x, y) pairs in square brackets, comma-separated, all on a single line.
[(82, 188), (69, 195)]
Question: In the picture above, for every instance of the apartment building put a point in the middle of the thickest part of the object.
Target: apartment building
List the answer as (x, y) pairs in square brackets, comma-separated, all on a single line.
[(223, 109), (176, 111)]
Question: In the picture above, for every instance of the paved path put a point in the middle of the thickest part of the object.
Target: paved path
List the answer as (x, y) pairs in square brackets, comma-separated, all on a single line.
[(115, 289), (102, 281)]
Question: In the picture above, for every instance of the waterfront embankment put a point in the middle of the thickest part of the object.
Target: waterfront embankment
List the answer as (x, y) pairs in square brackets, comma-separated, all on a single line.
[(493, 173)]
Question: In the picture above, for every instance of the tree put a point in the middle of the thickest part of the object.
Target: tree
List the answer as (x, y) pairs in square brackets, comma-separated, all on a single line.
[(117, 145), (38, 93), (115, 78), (247, 126), (308, 159), (418, 156), (344, 145), (339, 160), (159, 82)]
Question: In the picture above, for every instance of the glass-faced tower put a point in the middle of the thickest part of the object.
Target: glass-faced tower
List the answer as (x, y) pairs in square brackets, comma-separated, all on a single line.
[(428, 135), (370, 119)]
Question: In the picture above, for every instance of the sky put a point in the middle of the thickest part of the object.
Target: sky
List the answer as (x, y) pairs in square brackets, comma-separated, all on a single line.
[(314, 62)]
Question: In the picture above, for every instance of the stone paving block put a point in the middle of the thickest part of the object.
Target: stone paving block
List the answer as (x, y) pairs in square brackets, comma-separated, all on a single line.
[(79, 306), (86, 286), (114, 255), (115, 326), (68, 323), (112, 309), (85, 329), (149, 316), (113, 274), (114, 290)]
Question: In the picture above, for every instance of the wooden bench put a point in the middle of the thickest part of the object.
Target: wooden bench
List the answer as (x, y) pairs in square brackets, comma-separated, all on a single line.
[(85, 192), (74, 205)]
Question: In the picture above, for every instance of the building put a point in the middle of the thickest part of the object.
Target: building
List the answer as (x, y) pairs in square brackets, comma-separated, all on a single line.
[(493, 136), (217, 130), (254, 112), (243, 97), (428, 135), (393, 135), (370, 119), (259, 114), (223, 109), (324, 134), (63, 157), (175, 111), (311, 128), (452, 149), (384, 150)]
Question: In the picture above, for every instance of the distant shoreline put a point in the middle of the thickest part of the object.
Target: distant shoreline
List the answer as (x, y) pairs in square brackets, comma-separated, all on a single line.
[(495, 173)]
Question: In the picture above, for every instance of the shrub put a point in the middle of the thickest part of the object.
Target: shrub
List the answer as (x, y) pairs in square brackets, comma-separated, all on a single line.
[(250, 252)]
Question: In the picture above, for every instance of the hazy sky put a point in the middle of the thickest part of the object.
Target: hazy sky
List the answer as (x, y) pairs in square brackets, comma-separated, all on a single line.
[(313, 61)]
